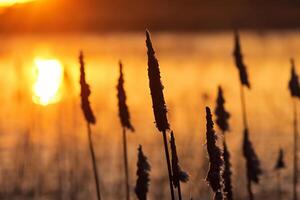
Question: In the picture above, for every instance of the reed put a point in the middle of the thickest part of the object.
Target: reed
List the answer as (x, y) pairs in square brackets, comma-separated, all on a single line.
[(90, 119), (178, 174), (294, 87), (126, 124), (222, 122), (143, 169), (252, 162), (158, 103), (215, 158), (279, 165)]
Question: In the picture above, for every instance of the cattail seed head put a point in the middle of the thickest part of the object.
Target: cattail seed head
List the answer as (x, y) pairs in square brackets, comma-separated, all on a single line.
[(123, 109), (178, 174), (142, 182), (252, 161), (221, 113), (85, 93), (280, 164), (239, 62), (294, 84), (215, 156), (156, 88)]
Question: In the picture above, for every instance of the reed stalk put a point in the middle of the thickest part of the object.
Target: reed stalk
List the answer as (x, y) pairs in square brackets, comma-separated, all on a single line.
[(90, 119), (158, 103)]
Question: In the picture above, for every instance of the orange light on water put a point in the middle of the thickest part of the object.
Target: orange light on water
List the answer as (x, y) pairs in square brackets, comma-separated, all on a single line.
[(48, 81), (5, 3)]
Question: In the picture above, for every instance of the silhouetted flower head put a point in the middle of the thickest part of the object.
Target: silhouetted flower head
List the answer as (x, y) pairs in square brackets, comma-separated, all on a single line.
[(252, 161), (156, 88), (215, 157), (123, 109), (280, 164), (178, 174), (221, 113), (294, 84), (142, 182), (85, 93), (227, 174), (240, 62)]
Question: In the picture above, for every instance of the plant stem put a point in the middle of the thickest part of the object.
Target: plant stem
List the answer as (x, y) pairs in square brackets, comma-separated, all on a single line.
[(244, 111), (295, 167), (249, 188), (179, 191), (279, 184), (95, 169), (168, 164), (126, 165)]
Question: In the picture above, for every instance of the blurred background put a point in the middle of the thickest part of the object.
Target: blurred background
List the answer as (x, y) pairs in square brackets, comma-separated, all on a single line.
[(43, 141)]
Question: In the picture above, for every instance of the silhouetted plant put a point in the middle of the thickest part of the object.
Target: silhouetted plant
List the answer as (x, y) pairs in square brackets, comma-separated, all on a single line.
[(240, 62), (226, 175), (295, 93), (221, 113), (123, 109), (158, 103), (90, 119), (178, 174), (222, 121), (279, 165), (294, 85), (85, 93), (156, 88), (126, 124), (215, 158), (252, 163), (142, 182)]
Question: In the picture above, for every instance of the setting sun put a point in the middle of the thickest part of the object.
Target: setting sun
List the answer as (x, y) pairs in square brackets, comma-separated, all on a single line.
[(12, 2), (49, 75)]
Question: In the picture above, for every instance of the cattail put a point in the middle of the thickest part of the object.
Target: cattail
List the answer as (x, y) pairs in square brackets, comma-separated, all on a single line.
[(178, 174), (123, 109), (126, 124), (294, 85), (295, 93), (215, 157), (226, 175), (156, 88), (158, 103), (240, 62), (221, 113), (89, 116), (85, 93), (222, 122), (142, 182), (252, 163), (280, 164)]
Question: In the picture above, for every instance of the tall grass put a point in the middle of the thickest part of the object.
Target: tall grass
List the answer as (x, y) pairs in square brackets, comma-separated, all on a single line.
[(178, 174), (279, 165), (143, 169), (158, 103), (295, 94), (215, 158), (252, 162), (222, 122), (90, 119), (126, 124)]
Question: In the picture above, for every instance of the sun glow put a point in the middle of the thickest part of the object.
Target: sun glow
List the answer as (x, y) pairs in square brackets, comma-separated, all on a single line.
[(49, 77), (12, 2)]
